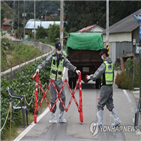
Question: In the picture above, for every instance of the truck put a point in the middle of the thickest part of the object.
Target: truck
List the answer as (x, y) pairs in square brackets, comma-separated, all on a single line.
[(82, 51)]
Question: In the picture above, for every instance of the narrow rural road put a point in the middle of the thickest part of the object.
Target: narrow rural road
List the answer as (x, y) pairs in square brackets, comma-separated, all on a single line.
[(73, 130)]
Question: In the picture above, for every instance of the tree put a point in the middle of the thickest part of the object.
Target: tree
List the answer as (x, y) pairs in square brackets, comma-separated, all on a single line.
[(41, 32), (80, 14), (2, 15), (53, 33)]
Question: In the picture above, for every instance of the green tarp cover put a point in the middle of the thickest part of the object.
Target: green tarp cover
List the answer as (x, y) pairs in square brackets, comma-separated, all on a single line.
[(84, 41)]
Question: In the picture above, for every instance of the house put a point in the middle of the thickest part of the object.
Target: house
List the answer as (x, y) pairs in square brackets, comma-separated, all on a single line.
[(6, 25), (124, 37), (93, 28), (45, 24)]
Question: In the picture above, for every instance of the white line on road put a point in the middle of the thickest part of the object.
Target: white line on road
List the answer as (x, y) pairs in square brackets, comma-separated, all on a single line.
[(125, 92), (31, 126)]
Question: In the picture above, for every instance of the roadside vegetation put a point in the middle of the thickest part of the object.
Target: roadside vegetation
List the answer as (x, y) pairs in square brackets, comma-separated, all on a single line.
[(129, 79), (16, 54), (21, 85)]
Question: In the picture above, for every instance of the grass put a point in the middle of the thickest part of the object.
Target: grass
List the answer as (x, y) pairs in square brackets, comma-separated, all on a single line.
[(16, 54)]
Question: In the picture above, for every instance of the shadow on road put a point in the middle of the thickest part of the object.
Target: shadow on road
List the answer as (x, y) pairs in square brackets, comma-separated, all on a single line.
[(88, 86)]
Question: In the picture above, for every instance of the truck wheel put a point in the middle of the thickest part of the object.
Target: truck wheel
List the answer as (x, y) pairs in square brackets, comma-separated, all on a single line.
[(72, 82), (98, 81)]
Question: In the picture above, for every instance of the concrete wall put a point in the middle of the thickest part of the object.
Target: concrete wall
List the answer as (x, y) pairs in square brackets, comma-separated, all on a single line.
[(119, 37), (117, 49), (44, 48)]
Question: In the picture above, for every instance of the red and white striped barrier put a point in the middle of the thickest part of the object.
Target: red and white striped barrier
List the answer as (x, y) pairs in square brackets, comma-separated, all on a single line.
[(79, 106)]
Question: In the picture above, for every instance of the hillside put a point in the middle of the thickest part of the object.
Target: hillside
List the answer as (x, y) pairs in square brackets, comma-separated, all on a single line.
[(7, 10), (42, 8)]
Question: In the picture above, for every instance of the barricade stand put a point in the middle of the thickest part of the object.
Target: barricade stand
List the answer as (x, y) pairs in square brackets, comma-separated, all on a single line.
[(137, 113), (79, 106)]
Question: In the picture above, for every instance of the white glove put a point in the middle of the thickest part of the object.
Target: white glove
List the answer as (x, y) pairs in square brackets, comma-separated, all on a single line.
[(78, 71), (37, 71), (87, 77)]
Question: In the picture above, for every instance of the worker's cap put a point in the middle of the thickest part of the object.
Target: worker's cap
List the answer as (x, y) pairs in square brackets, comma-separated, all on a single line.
[(104, 50), (58, 45)]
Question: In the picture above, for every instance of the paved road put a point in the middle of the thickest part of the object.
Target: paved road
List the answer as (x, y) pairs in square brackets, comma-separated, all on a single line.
[(125, 106)]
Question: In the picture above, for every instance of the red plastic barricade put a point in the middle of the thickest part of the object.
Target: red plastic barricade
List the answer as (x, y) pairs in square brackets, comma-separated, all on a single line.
[(79, 106)]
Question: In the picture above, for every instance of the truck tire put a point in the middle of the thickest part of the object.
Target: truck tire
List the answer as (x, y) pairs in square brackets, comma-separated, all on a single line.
[(72, 82), (98, 83)]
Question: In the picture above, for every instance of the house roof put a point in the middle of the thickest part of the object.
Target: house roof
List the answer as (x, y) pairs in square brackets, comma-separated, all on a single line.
[(127, 24), (6, 23), (88, 28), (45, 24)]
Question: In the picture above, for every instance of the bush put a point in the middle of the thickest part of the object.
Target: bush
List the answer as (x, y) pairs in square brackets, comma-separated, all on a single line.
[(41, 32), (53, 33), (123, 81), (129, 78)]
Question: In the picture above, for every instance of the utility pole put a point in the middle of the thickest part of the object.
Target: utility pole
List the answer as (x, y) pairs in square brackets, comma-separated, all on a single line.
[(107, 22), (24, 19), (18, 18), (138, 19), (34, 18), (13, 16), (61, 21)]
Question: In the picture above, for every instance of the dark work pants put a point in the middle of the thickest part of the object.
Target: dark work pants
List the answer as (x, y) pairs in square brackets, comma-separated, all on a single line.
[(106, 98), (53, 95)]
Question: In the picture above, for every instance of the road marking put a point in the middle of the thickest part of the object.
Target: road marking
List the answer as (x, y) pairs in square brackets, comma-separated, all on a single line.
[(31, 126), (125, 92), (133, 120)]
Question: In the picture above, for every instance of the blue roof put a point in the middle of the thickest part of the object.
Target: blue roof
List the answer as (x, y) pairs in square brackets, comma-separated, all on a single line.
[(45, 24)]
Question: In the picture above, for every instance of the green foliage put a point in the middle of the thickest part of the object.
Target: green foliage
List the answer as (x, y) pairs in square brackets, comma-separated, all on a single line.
[(53, 33), (4, 63), (29, 33), (7, 10), (18, 53), (41, 32), (123, 81), (80, 14), (20, 33), (129, 66), (24, 52), (22, 85), (129, 78)]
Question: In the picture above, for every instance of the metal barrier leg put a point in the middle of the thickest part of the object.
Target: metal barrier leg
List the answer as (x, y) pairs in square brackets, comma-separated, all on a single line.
[(27, 117), (23, 113), (36, 98), (80, 99), (137, 115), (136, 120)]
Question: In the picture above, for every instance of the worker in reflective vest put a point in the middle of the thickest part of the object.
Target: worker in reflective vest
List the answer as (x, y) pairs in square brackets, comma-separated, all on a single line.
[(106, 72), (57, 62)]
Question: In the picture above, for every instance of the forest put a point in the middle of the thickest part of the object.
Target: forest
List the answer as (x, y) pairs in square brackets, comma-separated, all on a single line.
[(77, 14)]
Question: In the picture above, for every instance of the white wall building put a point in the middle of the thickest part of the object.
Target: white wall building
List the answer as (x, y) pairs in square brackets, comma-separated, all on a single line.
[(123, 37), (45, 24)]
